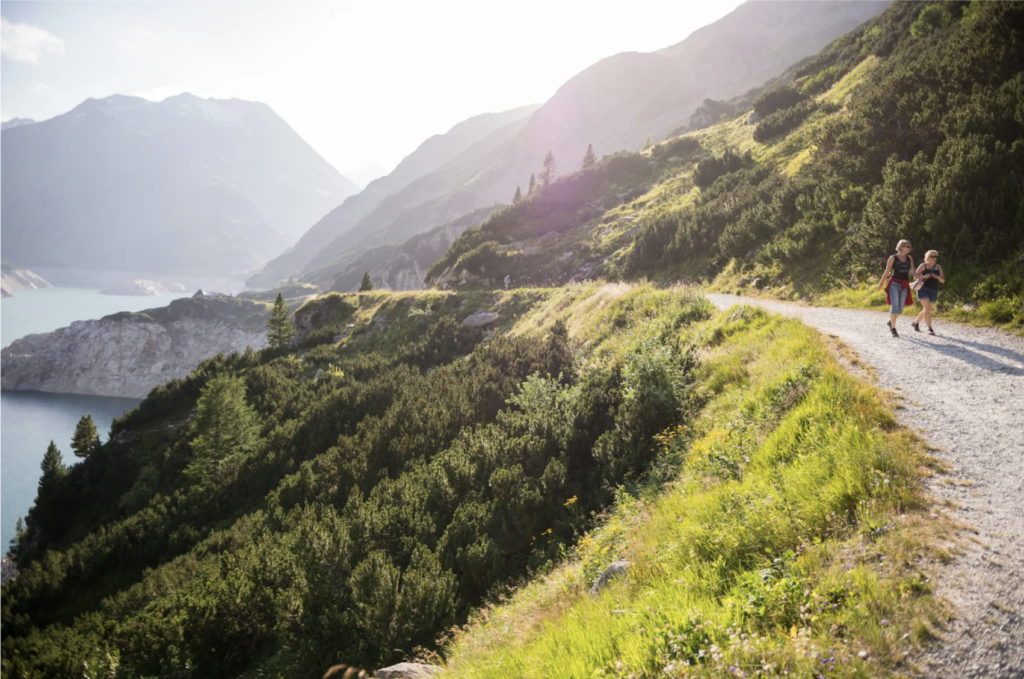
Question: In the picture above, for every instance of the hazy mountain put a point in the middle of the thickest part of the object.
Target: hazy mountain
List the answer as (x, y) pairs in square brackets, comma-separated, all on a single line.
[(436, 152), (186, 186), (366, 174), (15, 122), (615, 105)]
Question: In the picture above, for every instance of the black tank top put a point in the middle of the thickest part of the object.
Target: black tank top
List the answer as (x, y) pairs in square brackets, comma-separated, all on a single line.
[(931, 283), (901, 270)]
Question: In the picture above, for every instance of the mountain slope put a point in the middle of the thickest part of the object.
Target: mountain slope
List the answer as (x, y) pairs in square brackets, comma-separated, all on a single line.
[(889, 133), (434, 153), (185, 186), (620, 101)]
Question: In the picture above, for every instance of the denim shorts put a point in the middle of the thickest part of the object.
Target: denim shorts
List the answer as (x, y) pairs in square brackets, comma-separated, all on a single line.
[(929, 293), (897, 297)]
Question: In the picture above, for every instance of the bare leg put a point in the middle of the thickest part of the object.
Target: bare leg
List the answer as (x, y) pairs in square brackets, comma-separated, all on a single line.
[(924, 311), (927, 304)]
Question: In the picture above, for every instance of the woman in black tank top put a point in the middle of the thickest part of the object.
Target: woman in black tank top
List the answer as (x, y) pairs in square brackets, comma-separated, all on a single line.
[(931, 273), (897, 286)]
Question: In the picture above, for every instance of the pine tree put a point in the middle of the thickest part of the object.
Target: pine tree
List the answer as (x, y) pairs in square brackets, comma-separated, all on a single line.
[(86, 439), (281, 331), (367, 283), (518, 198), (547, 175), (533, 185), (590, 159), (53, 469), (648, 143), (224, 426)]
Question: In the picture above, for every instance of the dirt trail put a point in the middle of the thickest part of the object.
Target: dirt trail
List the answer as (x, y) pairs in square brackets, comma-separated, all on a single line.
[(964, 392)]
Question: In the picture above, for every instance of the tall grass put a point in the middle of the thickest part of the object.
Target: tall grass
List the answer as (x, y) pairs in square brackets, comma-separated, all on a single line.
[(789, 540)]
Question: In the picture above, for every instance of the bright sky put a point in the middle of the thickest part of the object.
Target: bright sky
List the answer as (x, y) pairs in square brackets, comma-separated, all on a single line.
[(362, 82)]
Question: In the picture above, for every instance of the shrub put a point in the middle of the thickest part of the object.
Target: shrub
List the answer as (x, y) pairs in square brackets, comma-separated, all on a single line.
[(783, 121), (775, 99), (710, 169)]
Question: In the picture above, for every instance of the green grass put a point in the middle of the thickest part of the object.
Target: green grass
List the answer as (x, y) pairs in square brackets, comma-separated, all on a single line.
[(791, 534)]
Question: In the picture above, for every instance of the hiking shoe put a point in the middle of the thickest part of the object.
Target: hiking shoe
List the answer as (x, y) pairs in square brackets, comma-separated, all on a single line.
[(930, 331), (916, 327)]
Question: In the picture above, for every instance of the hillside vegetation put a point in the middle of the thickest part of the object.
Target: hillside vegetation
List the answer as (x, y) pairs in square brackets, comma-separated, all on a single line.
[(909, 127)]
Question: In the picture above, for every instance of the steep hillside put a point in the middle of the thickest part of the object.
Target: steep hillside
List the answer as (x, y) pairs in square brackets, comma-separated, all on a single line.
[(13, 277), (186, 186), (617, 103), (434, 153), (352, 498), (401, 267), (898, 130)]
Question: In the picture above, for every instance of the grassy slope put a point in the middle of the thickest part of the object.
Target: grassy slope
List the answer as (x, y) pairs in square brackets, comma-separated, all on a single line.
[(794, 534)]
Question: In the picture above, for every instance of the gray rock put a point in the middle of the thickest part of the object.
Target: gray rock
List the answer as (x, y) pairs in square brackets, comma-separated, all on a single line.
[(756, 283), (319, 372), (753, 118), (480, 319), (407, 670), (137, 288), (745, 281), (1020, 259), (616, 569), (549, 236), (118, 357), (674, 159), (565, 255), (969, 307)]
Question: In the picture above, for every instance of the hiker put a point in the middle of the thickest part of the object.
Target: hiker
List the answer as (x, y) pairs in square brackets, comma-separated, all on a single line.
[(897, 288), (931, 273), (508, 282)]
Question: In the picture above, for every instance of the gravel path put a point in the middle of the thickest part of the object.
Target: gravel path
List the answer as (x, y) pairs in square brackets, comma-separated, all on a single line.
[(964, 392)]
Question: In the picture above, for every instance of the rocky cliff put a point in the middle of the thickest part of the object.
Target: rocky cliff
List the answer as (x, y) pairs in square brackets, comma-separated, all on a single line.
[(129, 354), (13, 278)]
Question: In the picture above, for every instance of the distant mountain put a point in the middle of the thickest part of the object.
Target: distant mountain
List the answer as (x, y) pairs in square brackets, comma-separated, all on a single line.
[(15, 122), (467, 140), (186, 186), (614, 105), (366, 174)]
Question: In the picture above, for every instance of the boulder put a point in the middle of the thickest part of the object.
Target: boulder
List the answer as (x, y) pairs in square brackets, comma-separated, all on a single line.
[(617, 569), (753, 118), (407, 670), (565, 255), (757, 283), (480, 319)]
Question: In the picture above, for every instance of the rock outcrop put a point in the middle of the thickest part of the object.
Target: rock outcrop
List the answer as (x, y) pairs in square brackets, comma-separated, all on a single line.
[(616, 569), (407, 670), (119, 355), (142, 288), (12, 279)]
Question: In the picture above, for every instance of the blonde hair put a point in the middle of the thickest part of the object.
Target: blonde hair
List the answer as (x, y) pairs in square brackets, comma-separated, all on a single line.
[(902, 244), (931, 253)]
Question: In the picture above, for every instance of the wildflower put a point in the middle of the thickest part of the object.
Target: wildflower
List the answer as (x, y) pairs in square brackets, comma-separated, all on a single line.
[(884, 621)]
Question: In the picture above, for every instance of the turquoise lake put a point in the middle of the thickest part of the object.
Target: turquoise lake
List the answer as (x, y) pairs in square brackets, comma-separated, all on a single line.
[(29, 420)]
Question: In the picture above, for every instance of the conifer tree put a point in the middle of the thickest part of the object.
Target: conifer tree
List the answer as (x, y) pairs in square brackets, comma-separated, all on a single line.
[(281, 331), (518, 198), (533, 185), (225, 425), (53, 469), (86, 439), (590, 159), (648, 143), (367, 283), (547, 175)]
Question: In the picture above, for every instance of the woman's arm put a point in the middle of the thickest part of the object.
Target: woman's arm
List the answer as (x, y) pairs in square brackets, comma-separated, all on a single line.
[(888, 265), (912, 266), (920, 268), (942, 275)]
